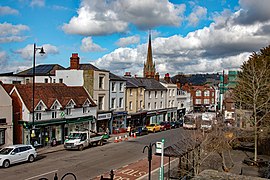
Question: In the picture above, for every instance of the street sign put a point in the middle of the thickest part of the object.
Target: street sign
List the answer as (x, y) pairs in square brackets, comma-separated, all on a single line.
[(161, 169)]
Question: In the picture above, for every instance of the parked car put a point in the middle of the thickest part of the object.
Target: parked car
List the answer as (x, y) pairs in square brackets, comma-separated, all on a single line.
[(153, 127), (17, 153), (165, 125), (175, 124), (181, 123), (140, 130)]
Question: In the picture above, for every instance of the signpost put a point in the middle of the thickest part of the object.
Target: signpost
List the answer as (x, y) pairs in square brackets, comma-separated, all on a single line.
[(161, 169)]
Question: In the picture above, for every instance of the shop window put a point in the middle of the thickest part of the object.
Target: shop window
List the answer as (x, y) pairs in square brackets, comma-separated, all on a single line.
[(2, 136)]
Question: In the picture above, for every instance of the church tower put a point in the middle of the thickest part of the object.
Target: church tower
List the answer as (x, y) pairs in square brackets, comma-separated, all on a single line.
[(149, 69)]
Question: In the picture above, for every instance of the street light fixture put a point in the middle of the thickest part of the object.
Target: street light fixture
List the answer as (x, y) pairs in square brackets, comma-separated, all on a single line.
[(41, 52)]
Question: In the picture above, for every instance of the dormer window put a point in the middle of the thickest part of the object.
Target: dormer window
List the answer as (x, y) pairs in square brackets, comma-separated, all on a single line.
[(86, 107)]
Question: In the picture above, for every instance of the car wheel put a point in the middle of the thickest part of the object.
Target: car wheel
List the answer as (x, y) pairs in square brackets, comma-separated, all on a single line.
[(81, 147), (31, 158), (100, 143), (6, 164)]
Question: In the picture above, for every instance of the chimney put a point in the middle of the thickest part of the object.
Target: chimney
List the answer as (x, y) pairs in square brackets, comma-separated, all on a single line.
[(74, 61), (167, 77), (157, 76), (127, 74)]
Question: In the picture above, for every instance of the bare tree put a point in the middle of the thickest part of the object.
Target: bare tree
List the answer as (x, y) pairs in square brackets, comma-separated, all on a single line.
[(252, 91)]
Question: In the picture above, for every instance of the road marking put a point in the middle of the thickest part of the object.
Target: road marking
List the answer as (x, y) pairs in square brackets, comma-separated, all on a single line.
[(41, 175)]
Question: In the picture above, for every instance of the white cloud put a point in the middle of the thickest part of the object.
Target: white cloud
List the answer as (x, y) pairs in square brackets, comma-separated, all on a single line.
[(3, 58), (123, 42), (98, 17), (222, 45), (89, 46), (27, 52), (9, 29), (6, 10), (197, 14), (12, 39), (37, 3)]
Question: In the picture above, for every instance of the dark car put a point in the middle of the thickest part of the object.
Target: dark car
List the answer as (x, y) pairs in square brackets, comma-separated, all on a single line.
[(175, 124), (140, 130), (165, 125)]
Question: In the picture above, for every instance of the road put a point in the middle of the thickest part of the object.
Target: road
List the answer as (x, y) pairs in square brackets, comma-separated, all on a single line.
[(91, 162)]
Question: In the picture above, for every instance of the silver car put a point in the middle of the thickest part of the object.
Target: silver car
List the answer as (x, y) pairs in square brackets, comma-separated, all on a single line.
[(17, 153)]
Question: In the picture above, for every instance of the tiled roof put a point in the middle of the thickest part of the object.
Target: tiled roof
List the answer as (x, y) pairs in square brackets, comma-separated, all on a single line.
[(8, 87), (42, 70), (51, 92)]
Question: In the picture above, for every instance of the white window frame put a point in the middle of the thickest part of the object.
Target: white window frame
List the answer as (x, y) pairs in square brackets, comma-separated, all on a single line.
[(198, 93)]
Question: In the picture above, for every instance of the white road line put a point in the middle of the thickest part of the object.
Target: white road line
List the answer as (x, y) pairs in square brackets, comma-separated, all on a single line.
[(41, 175)]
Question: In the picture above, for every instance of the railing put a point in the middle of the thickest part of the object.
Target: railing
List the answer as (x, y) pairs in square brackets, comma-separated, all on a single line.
[(65, 175)]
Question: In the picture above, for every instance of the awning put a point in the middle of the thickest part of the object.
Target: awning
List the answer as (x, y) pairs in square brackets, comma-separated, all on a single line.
[(80, 119), (44, 123)]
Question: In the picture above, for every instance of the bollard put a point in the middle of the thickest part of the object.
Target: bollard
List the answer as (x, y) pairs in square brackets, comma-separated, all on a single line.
[(55, 177)]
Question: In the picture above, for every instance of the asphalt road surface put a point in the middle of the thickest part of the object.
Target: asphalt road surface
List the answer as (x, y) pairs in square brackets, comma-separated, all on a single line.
[(90, 162)]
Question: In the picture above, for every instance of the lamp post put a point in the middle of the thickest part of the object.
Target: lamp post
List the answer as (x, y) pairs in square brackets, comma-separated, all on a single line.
[(41, 52), (149, 148)]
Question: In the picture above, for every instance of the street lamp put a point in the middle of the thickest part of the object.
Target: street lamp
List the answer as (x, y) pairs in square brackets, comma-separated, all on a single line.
[(41, 52)]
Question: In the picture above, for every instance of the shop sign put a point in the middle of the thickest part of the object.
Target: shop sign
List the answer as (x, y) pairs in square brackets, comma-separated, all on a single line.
[(104, 116)]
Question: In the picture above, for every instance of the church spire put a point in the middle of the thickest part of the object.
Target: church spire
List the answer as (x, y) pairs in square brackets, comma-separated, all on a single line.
[(149, 67)]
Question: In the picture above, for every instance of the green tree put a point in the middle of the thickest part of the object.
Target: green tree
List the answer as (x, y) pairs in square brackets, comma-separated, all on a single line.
[(252, 91)]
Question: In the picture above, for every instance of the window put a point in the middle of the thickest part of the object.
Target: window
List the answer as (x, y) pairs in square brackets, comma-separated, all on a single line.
[(130, 105), (46, 80), (155, 105), (53, 80), (54, 114), (149, 106), (169, 103), (113, 86), (120, 102), (100, 82), (121, 87), (198, 93), (27, 81), (113, 103), (161, 94), (213, 101), (85, 109), (68, 111), (141, 105), (2, 136), (170, 92), (141, 91), (130, 92), (213, 94), (100, 102), (206, 101), (173, 92), (39, 107), (3, 120), (38, 116), (61, 80), (155, 94), (149, 94), (161, 104), (172, 103), (206, 93), (198, 101)]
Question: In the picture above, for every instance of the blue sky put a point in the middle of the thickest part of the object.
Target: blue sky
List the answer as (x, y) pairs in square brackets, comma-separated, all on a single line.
[(200, 36)]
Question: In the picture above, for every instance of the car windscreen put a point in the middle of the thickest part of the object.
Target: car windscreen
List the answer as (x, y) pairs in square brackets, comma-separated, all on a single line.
[(5, 151), (74, 136)]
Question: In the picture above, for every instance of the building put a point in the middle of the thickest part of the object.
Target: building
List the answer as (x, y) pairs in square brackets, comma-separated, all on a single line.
[(203, 97), (58, 109), (6, 127), (95, 81), (117, 104), (171, 101), (149, 69)]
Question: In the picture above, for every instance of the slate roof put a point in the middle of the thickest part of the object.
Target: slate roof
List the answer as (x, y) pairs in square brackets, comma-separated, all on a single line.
[(90, 67), (7, 74), (196, 79), (115, 77), (42, 70), (50, 92), (147, 83)]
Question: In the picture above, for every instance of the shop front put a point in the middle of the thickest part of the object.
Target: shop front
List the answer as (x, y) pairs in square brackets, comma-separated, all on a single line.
[(180, 113), (118, 123), (136, 119), (161, 115), (171, 114), (103, 120)]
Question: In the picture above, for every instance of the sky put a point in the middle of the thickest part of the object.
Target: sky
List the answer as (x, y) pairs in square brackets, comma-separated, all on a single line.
[(197, 36)]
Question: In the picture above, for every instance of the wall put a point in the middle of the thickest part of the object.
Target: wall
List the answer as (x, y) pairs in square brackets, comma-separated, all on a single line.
[(70, 77), (6, 112)]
